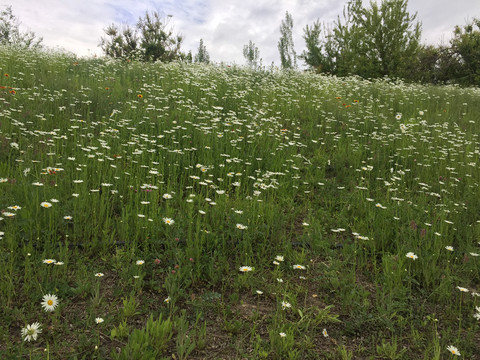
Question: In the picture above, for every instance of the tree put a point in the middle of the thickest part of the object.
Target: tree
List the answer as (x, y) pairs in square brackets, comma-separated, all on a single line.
[(313, 56), (188, 58), (251, 54), (10, 32), (375, 41), (150, 40), (202, 54), (288, 57), (158, 41), (120, 43), (465, 44), (437, 65)]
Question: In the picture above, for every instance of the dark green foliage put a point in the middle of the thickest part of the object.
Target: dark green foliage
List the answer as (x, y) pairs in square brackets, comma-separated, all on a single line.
[(151, 40), (313, 56), (374, 41), (158, 42), (120, 42), (465, 46), (436, 65)]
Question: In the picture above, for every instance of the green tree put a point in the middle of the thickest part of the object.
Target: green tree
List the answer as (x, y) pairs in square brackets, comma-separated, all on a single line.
[(375, 41), (158, 41), (121, 42), (465, 46), (288, 57), (313, 56), (150, 40), (187, 57), (202, 54), (251, 54), (437, 65), (10, 33)]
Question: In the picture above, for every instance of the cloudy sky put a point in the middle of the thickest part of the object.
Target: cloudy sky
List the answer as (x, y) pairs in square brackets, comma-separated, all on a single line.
[(224, 25)]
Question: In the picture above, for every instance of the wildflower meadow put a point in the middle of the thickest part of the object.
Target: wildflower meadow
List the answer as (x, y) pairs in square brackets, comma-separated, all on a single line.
[(174, 211)]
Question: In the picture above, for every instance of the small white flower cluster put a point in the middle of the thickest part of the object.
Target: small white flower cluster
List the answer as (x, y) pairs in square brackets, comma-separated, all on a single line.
[(477, 314)]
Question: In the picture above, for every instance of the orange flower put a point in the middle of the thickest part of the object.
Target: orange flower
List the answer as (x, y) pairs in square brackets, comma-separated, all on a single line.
[(6, 75), (140, 96), (13, 92)]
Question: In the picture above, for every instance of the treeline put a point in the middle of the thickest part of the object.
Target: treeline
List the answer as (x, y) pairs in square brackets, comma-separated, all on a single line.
[(383, 39), (377, 40)]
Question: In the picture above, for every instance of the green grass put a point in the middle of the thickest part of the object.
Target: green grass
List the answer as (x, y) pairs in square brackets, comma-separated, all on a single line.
[(343, 177)]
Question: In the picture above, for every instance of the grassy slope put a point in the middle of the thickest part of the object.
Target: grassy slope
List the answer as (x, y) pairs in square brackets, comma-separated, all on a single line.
[(342, 176)]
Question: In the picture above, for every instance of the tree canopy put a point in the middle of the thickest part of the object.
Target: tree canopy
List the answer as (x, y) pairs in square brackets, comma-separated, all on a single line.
[(374, 41)]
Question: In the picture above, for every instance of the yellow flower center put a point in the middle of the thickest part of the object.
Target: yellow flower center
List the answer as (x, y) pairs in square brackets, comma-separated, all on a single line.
[(50, 302)]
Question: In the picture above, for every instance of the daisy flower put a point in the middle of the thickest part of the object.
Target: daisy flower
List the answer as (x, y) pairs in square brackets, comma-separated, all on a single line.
[(140, 262), (245, 268), (279, 258), (50, 302), (30, 332), (286, 305), (49, 261), (46, 204), (412, 256), (449, 248), (453, 350), (99, 274), (242, 227), (282, 334), (167, 300), (324, 332), (168, 221), (98, 320), (299, 267), (167, 196)]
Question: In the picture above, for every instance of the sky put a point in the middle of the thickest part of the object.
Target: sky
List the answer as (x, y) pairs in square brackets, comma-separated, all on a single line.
[(224, 25)]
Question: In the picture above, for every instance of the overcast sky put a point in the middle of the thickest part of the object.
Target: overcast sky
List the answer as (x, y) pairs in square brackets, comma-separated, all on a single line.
[(225, 25)]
